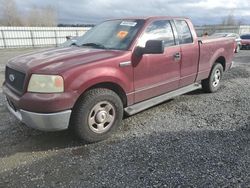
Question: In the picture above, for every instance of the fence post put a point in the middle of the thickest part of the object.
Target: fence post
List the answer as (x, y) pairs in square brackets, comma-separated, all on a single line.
[(56, 38), (4, 41), (32, 38)]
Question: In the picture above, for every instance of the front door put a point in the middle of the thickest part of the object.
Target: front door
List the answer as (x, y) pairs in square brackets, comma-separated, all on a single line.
[(156, 74), (189, 53)]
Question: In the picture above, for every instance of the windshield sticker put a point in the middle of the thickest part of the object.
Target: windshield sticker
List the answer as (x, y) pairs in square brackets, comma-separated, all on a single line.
[(130, 24), (122, 34)]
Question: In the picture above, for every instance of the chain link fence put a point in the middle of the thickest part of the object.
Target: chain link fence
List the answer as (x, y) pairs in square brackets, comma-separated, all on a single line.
[(21, 37)]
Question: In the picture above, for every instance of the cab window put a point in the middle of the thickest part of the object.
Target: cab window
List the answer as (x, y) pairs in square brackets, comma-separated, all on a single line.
[(158, 30), (184, 33)]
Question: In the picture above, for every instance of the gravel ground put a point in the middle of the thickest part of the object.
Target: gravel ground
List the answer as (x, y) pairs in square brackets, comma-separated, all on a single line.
[(194, 140)]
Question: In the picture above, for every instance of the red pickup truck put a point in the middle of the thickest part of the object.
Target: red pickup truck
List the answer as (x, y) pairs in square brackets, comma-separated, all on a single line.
[(121, 65)]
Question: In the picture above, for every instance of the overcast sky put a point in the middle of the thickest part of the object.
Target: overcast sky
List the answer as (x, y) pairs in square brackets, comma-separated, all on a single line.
[(93, 11)]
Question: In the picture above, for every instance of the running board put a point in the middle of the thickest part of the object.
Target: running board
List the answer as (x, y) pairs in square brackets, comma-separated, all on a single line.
[(157, 100)]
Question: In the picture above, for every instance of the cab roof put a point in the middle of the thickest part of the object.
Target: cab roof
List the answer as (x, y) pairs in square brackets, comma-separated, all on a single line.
[(150, 18)]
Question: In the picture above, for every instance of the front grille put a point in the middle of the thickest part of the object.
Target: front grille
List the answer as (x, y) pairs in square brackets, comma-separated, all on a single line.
[(15, 79)]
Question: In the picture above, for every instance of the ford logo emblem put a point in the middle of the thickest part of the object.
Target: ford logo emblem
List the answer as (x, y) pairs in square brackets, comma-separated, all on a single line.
[(12, 77)]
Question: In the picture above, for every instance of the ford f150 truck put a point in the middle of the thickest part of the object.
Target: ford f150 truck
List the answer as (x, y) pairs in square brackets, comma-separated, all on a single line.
[(121, 65)]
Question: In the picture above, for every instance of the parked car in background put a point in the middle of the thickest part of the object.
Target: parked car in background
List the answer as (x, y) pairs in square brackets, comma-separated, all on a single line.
[(235, 35), (245, 40)]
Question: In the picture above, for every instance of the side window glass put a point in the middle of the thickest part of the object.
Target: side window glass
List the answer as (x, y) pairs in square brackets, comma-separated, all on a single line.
[(184, 33), (158, 30)]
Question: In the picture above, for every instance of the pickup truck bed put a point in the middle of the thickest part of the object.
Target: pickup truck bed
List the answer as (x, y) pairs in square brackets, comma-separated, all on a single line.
[(210, 47)]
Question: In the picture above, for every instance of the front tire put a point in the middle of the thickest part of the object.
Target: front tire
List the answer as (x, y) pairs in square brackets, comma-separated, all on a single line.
[(97, 115), (212, 83)]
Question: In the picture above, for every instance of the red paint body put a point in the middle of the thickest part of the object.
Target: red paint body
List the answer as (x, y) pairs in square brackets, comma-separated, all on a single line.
[(147, 77)]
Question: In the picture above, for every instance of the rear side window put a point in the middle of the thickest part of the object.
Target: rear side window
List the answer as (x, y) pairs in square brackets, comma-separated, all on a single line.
[(184, 32), (158, 30)]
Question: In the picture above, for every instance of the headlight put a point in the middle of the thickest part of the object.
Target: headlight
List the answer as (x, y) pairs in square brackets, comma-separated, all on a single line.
[(46, 84)]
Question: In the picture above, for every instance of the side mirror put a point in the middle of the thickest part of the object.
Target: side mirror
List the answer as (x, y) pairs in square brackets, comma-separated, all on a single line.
[(154, 47), (151, 47)]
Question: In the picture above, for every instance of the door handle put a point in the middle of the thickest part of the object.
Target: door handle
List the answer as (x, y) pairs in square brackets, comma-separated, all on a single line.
[(125, 64), (177, 56)]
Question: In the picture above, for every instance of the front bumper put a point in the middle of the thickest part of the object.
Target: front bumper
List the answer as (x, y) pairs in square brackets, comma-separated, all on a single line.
[(43, 121), (41, 102)]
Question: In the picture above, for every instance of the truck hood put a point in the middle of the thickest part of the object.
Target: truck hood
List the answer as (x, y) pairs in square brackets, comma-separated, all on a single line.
[(60, 59)]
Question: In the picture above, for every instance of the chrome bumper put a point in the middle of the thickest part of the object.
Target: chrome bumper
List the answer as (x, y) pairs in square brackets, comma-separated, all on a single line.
[(43, 121)]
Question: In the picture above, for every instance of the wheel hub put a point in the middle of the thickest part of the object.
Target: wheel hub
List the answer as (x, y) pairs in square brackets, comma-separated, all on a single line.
[(217, 77), (101, 117)]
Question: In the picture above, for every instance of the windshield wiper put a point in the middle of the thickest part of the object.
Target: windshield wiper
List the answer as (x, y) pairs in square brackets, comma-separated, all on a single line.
[(96, 45)]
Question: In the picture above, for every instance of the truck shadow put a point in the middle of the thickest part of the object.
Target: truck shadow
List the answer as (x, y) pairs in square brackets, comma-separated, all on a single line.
[(196, 92)]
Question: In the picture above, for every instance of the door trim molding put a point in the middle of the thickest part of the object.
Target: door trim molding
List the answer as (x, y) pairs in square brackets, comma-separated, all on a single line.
[(157, 85)]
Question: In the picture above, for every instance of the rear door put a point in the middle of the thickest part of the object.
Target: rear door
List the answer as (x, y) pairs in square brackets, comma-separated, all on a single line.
[(155, 74), (189, 53)]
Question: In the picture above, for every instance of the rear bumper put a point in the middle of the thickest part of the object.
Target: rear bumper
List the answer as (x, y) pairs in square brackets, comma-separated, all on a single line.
[(43, 121)]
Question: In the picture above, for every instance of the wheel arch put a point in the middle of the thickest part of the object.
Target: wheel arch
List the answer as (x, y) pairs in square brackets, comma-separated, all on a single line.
[(113, 87), (222, 61), (107, 85)]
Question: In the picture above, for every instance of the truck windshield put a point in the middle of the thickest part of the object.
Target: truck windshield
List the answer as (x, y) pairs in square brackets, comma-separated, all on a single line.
[(114, 34)]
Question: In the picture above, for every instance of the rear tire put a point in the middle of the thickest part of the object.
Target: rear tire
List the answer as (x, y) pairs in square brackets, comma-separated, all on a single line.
[(97, 115), (212, 83)]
